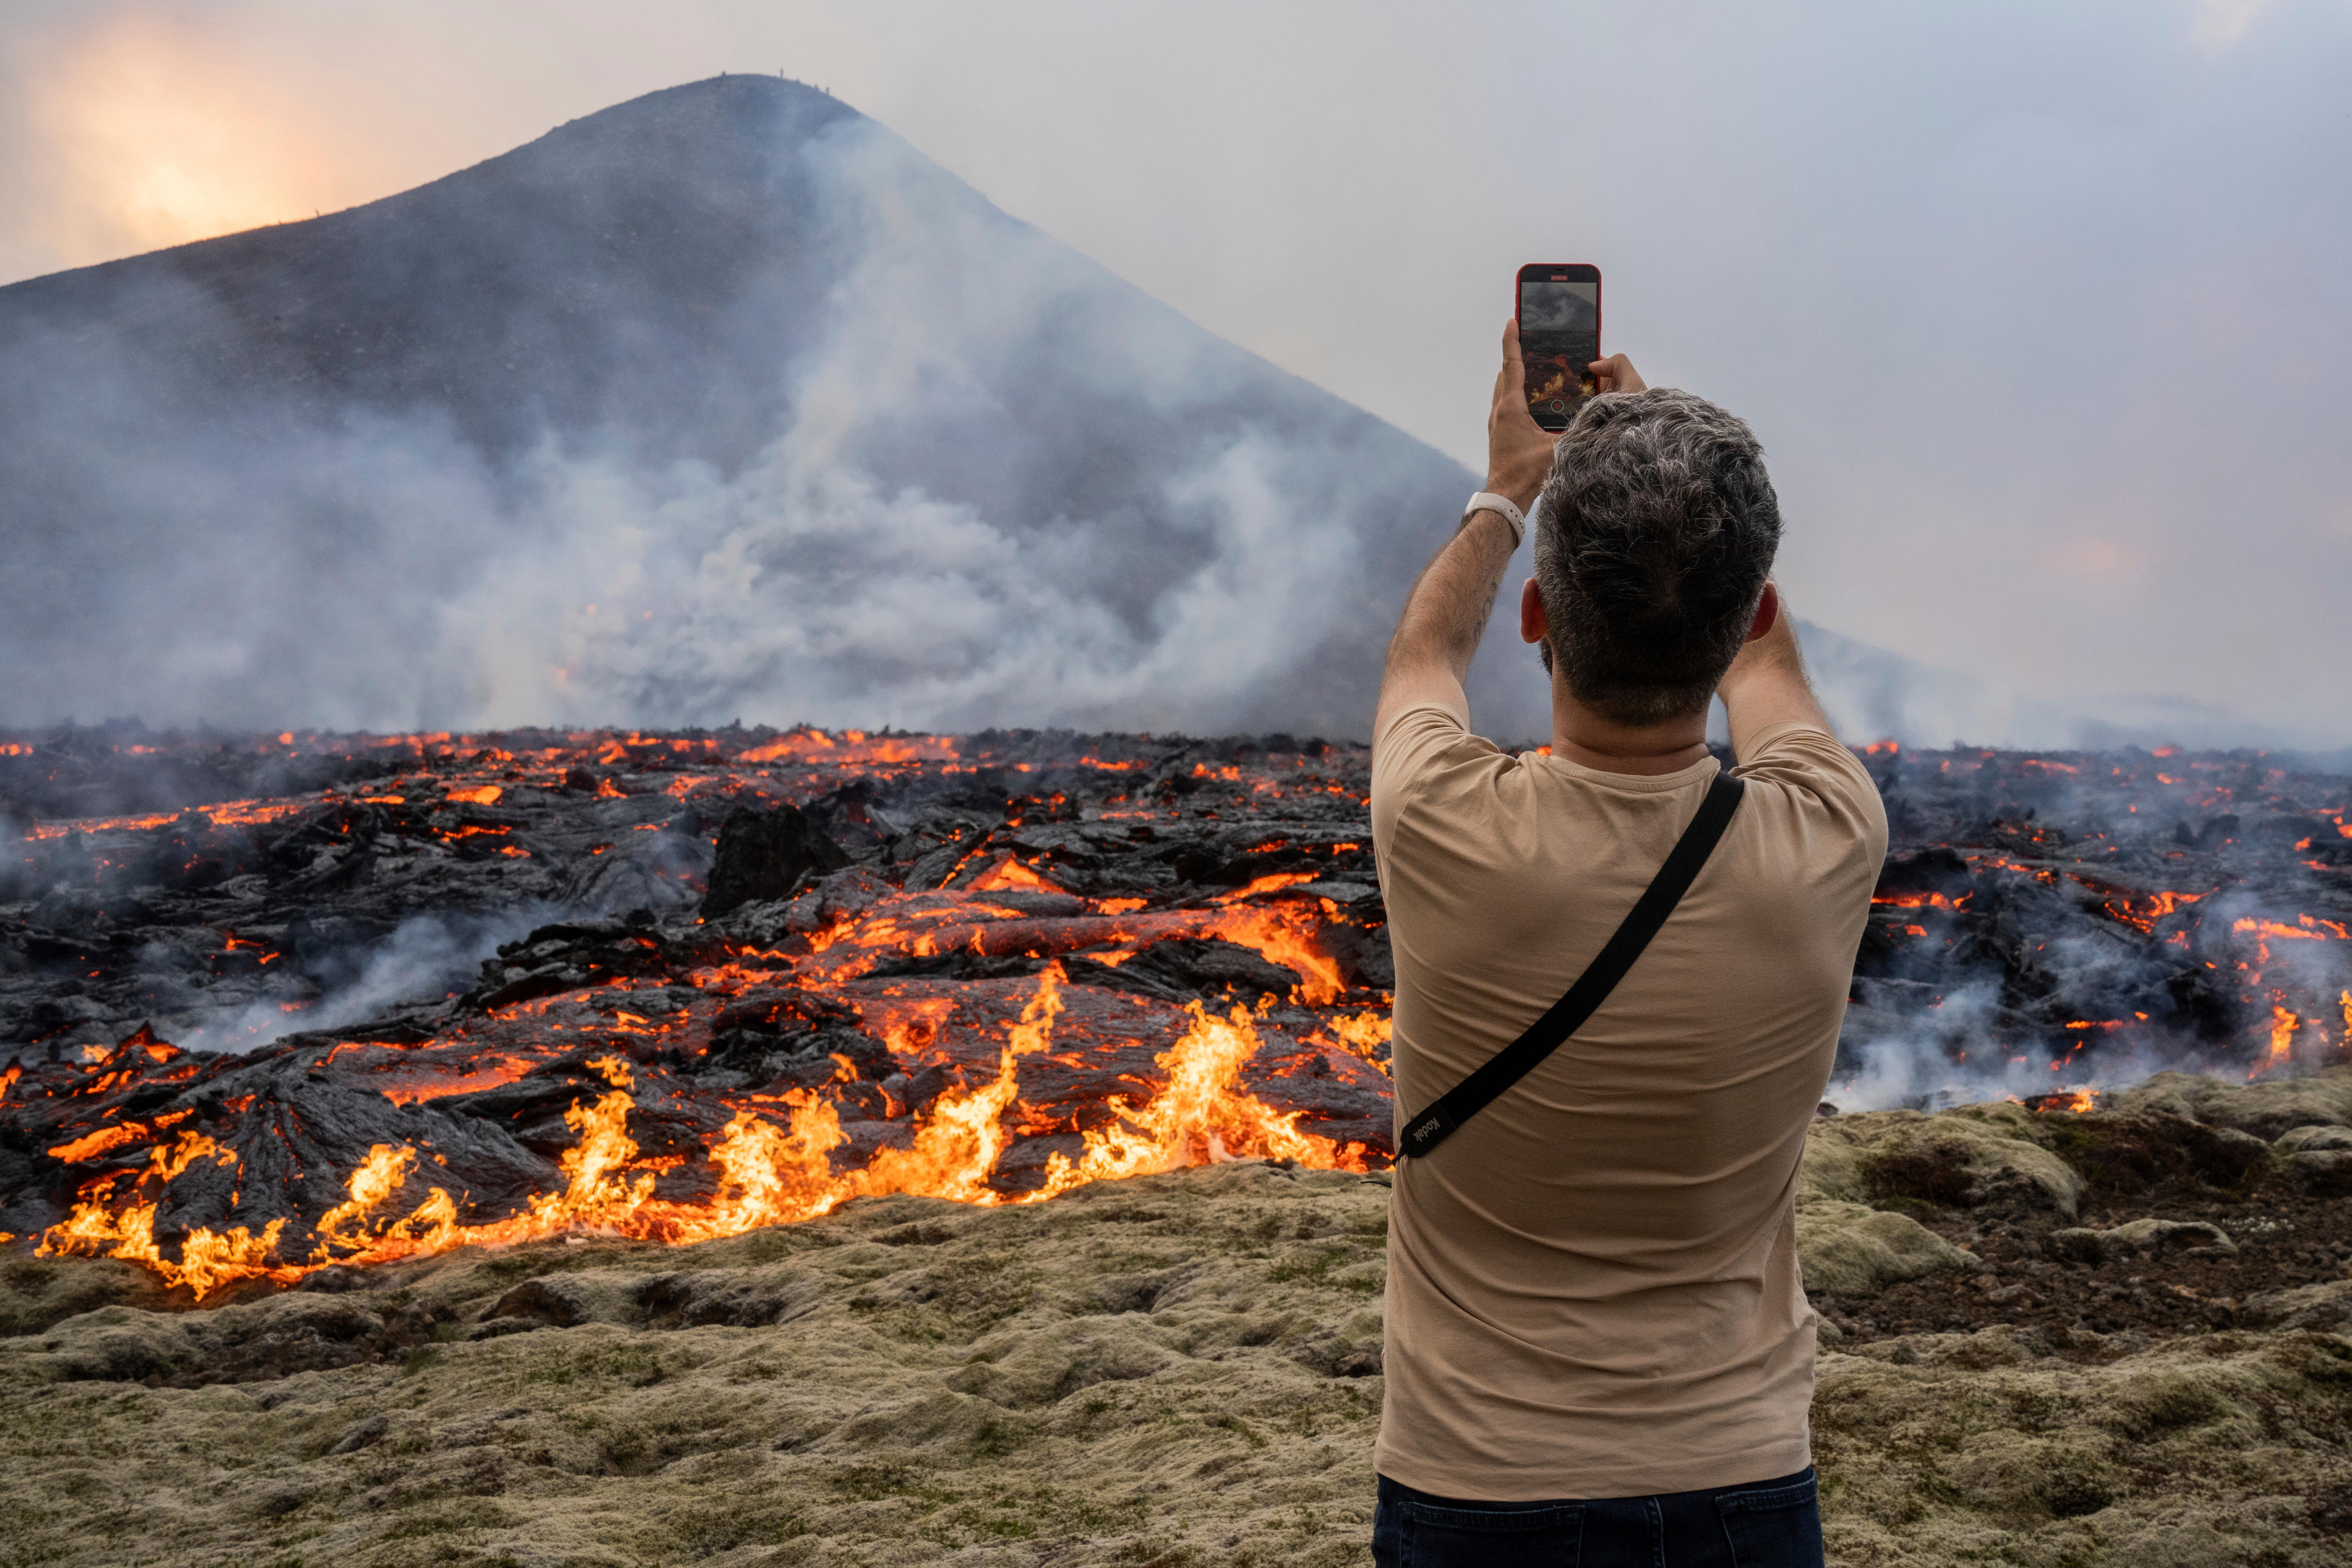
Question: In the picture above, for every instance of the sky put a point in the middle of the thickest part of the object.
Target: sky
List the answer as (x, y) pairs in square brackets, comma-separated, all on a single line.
[(2039, 311)]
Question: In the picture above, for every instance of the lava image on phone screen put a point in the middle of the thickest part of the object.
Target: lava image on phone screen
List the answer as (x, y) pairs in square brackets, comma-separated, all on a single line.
[(1560, 337)]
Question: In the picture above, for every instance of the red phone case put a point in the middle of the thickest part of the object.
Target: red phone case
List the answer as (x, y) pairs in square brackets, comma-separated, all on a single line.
[(1579, 376)]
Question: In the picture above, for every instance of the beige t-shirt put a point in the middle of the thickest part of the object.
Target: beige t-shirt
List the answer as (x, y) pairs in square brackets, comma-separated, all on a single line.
[(1592, 1285)]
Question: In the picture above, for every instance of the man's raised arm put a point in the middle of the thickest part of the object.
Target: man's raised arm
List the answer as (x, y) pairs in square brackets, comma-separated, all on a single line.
[(1447, 610), (1766, 685)]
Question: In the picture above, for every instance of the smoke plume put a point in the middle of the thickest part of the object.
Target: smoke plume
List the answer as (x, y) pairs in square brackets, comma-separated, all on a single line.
[(830, 439)]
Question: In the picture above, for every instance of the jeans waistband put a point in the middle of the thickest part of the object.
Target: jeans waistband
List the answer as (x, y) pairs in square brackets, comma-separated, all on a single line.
[(1669, 1501)]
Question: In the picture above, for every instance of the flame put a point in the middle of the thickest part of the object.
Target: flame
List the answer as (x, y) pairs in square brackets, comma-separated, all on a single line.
[(2270, 930), (2283, 1027), (594, 1193), (378, 1177), (1200, 1118), (1272, 883), (234, 813), (957, 1145), (2266, 932), (431, 1226), (773, 1160), (207, 1260), (2145, 911), (767, 1174), (1363, 1032), (770, 1174)]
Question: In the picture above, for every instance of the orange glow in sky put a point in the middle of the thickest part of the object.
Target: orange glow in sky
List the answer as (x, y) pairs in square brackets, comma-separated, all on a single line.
[(155, 135)]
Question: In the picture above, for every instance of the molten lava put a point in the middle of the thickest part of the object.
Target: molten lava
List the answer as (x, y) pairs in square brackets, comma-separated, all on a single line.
[(1020, 964), (766, 1173)]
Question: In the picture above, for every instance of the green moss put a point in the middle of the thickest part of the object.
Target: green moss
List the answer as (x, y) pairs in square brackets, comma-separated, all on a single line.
[(2146, 1407), (442, 1518), (1234, 1424), (1211, 1443), (708, 1528), (1309, 1264)]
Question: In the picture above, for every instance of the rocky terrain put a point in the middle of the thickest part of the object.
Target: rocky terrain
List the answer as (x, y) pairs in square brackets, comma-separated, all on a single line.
[(2118, 1337)]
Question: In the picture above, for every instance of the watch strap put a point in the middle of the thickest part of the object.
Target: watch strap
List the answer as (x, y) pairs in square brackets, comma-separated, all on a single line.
[(1502, 505)]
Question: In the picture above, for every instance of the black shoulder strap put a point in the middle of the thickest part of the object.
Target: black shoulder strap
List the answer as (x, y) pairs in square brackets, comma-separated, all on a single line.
[(1568, 1015)]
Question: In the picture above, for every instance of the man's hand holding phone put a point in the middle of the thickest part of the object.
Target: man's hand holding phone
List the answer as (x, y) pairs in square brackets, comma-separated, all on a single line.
[(1518, 450)]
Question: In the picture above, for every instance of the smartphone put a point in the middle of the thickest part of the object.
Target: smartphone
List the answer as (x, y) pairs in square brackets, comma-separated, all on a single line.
[(1560, 337)]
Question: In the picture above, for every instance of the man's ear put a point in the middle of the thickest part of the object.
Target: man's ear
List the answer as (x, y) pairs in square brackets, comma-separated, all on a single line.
[(1768, 610), (1531, 616)]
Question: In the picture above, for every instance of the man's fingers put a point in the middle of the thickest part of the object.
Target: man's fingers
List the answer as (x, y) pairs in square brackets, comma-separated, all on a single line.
[(1616, 373), (1511, 381)]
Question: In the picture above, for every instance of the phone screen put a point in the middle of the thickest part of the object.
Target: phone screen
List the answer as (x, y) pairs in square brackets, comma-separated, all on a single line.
[(1560, 337)]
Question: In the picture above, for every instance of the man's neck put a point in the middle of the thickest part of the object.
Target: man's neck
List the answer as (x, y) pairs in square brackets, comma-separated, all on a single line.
[(1587, 738)]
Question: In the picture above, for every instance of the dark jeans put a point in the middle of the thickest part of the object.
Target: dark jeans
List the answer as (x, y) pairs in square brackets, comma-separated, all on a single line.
[(1763, 1524)]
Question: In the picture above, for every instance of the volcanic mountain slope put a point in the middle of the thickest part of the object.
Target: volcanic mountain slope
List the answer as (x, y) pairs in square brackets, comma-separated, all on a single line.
[(2115, 1338), (722, 402)]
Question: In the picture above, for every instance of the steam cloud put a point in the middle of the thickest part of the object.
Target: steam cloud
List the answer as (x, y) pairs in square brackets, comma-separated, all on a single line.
[(1002, 488), (853, 447), (425, 959)]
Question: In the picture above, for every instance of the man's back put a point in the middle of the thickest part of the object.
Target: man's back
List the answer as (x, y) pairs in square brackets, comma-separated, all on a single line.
[(1592, 1285)]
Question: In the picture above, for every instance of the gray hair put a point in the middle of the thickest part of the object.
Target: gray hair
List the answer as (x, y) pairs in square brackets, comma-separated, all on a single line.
[(1654, 533)]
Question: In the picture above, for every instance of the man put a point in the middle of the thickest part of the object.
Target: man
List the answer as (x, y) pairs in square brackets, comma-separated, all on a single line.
[(1597, 1348)]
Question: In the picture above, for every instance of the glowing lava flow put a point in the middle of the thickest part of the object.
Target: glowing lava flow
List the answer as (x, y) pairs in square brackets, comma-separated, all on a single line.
[(767, 1174), (702, 1041), (207, 1258), (1197, 1120)]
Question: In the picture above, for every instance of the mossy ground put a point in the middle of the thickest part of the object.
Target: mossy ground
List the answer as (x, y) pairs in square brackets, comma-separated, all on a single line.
[(1179, 1369)]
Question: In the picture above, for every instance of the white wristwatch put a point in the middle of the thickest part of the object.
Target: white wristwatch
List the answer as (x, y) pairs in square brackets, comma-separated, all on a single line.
[(1487, 501)]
